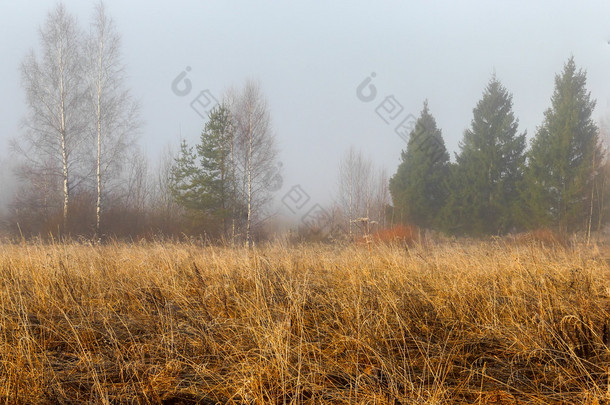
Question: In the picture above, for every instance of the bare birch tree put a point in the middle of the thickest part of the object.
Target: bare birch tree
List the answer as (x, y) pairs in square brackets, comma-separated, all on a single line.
[(115, 114), (230, 99), (255, 151), (54, 125), (354, 186)]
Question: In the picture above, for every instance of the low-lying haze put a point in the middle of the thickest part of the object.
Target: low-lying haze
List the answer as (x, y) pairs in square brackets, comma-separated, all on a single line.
[(310, 57)]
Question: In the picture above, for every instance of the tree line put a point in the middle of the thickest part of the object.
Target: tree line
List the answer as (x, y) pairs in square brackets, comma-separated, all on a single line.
[(497, 184), (81, 171)]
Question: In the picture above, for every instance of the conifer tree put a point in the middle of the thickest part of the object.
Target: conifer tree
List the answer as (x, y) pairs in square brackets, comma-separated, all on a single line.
[(217, 164), (489, 167), (564, 157), (418, 186), (203, 178)]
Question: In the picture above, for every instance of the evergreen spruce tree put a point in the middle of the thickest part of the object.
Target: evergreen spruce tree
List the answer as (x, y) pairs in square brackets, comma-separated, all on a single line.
[(186, 182), (484, 191), (203, 178), (418, 186), (217, 165), (561, 161)]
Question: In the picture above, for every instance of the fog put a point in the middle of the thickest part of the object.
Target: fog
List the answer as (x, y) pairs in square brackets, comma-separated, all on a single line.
[(311, 57)]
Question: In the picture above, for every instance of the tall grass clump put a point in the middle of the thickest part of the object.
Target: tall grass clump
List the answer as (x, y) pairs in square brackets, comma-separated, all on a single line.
[(186, 324)]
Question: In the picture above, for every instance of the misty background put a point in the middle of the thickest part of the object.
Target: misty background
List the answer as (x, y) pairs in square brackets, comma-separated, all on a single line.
[(310, 58)]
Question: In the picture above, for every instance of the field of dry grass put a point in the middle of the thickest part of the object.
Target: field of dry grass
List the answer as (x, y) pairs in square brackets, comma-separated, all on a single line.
[(176, 323)]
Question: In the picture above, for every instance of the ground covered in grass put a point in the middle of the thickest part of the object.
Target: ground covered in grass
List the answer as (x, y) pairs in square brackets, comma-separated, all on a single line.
[(176, 323)]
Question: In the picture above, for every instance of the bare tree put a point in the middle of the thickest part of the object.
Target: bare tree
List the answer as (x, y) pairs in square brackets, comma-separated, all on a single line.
[(54, 125), (161, 191), (115, 114), (363, 192), (166, 210), (254, 152), (381, 196), (138, 191), (347, 187), (36, 201), (230, 99), (354, 186), (600, 179)]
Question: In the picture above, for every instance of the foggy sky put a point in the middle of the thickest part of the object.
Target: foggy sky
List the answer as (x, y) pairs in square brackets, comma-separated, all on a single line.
[(310, 57)]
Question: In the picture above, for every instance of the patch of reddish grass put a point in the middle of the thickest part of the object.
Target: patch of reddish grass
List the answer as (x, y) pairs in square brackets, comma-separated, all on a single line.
[(408, 234), (542, 237)]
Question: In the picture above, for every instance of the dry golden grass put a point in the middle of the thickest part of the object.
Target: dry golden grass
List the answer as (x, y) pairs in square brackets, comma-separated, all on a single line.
[(484, 323)]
